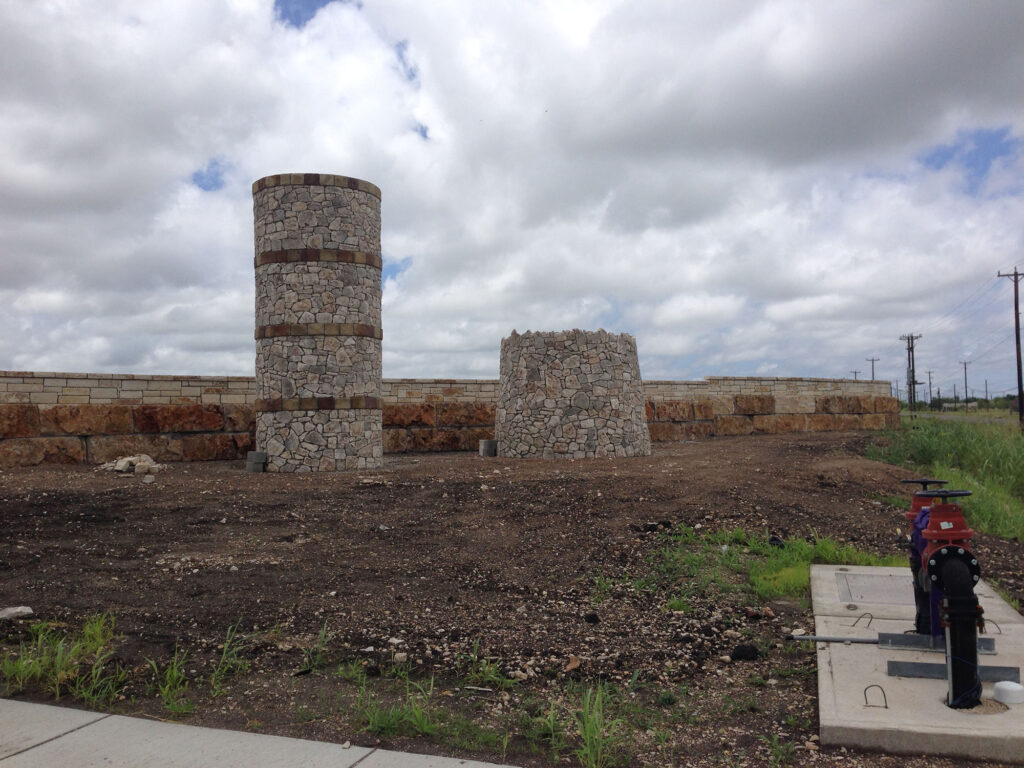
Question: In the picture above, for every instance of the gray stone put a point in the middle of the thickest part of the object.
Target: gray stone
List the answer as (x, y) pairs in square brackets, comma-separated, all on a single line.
[(17, 612), (488, 448)]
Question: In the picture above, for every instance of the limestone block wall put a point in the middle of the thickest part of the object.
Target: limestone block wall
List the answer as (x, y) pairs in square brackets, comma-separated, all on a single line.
[(318, 322), (571, 394), (418, 414)]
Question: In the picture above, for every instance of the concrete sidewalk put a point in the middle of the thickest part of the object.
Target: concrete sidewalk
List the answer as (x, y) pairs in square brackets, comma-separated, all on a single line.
[(41, 736)]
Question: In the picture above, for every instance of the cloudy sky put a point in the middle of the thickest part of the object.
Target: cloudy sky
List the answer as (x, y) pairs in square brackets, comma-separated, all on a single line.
[(778, 188)]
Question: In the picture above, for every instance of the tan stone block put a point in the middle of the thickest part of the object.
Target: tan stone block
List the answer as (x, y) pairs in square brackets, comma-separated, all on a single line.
[(703, 410), (733, 425), (17, 420), (790, 403), (218, 446), (86, 420), (821, 422), (674, 410), (27, 452), (419, 414), (103, 448), (697, 430), (177, 418), (751, 405), (886, 405), (848, 422), (239, 417), (873, 421), (892, 421), (396, 440), (433, 440), (780, 422), (465, 414), (722, 405), (665, 432)]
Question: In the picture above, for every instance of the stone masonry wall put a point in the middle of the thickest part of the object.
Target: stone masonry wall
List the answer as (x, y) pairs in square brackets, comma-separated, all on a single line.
[(418, 414), (570, 394)]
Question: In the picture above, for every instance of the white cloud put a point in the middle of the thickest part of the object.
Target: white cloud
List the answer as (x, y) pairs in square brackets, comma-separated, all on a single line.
[(737, 184)]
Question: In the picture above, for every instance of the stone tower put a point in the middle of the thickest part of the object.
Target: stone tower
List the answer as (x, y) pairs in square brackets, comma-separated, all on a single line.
[(318, 322)]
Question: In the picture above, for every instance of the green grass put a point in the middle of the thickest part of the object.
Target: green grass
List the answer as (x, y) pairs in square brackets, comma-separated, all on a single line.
[(171, 684), (229, 663), (60, 663), (984, 458), (692, 568), (600, 737)]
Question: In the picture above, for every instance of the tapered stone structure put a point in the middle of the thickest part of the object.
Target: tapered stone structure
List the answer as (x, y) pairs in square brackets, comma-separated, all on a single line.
[(318, 322), (571, 394)]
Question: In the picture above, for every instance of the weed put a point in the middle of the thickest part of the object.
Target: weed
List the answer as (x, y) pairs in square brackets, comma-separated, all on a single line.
[(599, 738), (548, 728), (315, 656), (602, 589), (171, 684), (230, 663), (353, 671), (56, 660), (484, 672), (741, 706), (780, 753), (793, 721)]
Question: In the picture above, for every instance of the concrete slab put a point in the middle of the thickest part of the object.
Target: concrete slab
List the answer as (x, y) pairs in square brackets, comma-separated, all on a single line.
[(128, 741), (24, 725), (853, 684), (887, 593)]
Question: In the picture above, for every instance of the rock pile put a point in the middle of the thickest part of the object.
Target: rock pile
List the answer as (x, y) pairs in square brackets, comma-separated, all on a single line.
[(133, 465), (570, 394)]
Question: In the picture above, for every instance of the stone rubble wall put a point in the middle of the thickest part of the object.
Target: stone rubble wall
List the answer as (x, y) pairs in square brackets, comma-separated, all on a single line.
[(418, 414), (570, 394), (318, 322)]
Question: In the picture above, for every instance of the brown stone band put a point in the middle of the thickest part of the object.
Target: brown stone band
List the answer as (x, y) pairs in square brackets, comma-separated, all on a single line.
[(312, 255), (315, 180), (318, 404), (318, 329)]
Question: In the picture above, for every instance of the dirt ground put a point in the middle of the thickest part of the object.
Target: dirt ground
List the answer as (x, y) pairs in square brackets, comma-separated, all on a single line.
[(447, 563)]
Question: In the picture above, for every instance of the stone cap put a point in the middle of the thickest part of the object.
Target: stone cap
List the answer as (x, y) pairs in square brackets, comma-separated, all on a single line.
[(315, 179)]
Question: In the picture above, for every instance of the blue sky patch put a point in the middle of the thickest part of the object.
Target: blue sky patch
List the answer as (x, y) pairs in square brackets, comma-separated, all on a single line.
[(974, 152), (297, 13), (210, 178), (408, 69), (393, 269)]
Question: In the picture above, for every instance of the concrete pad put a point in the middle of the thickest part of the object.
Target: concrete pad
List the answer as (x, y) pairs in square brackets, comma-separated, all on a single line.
[(128, 741), (24, 725), (917, 720)]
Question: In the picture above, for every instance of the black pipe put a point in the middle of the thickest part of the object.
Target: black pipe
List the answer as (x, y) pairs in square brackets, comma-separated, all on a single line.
[(960, 613)]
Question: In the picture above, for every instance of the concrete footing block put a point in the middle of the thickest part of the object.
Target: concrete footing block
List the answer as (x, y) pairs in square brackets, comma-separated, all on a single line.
[(256, 461), (488, 448)]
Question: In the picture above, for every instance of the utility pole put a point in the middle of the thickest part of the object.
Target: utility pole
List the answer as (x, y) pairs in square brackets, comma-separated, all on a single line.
[(967, 394), (911, 375), (854, 374), (1016, 276), (930, 387), (986, 391), (872, 360)]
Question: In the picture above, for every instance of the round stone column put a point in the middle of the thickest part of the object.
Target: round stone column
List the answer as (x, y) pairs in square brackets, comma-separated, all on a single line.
[(318, 322), (570, 394)]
